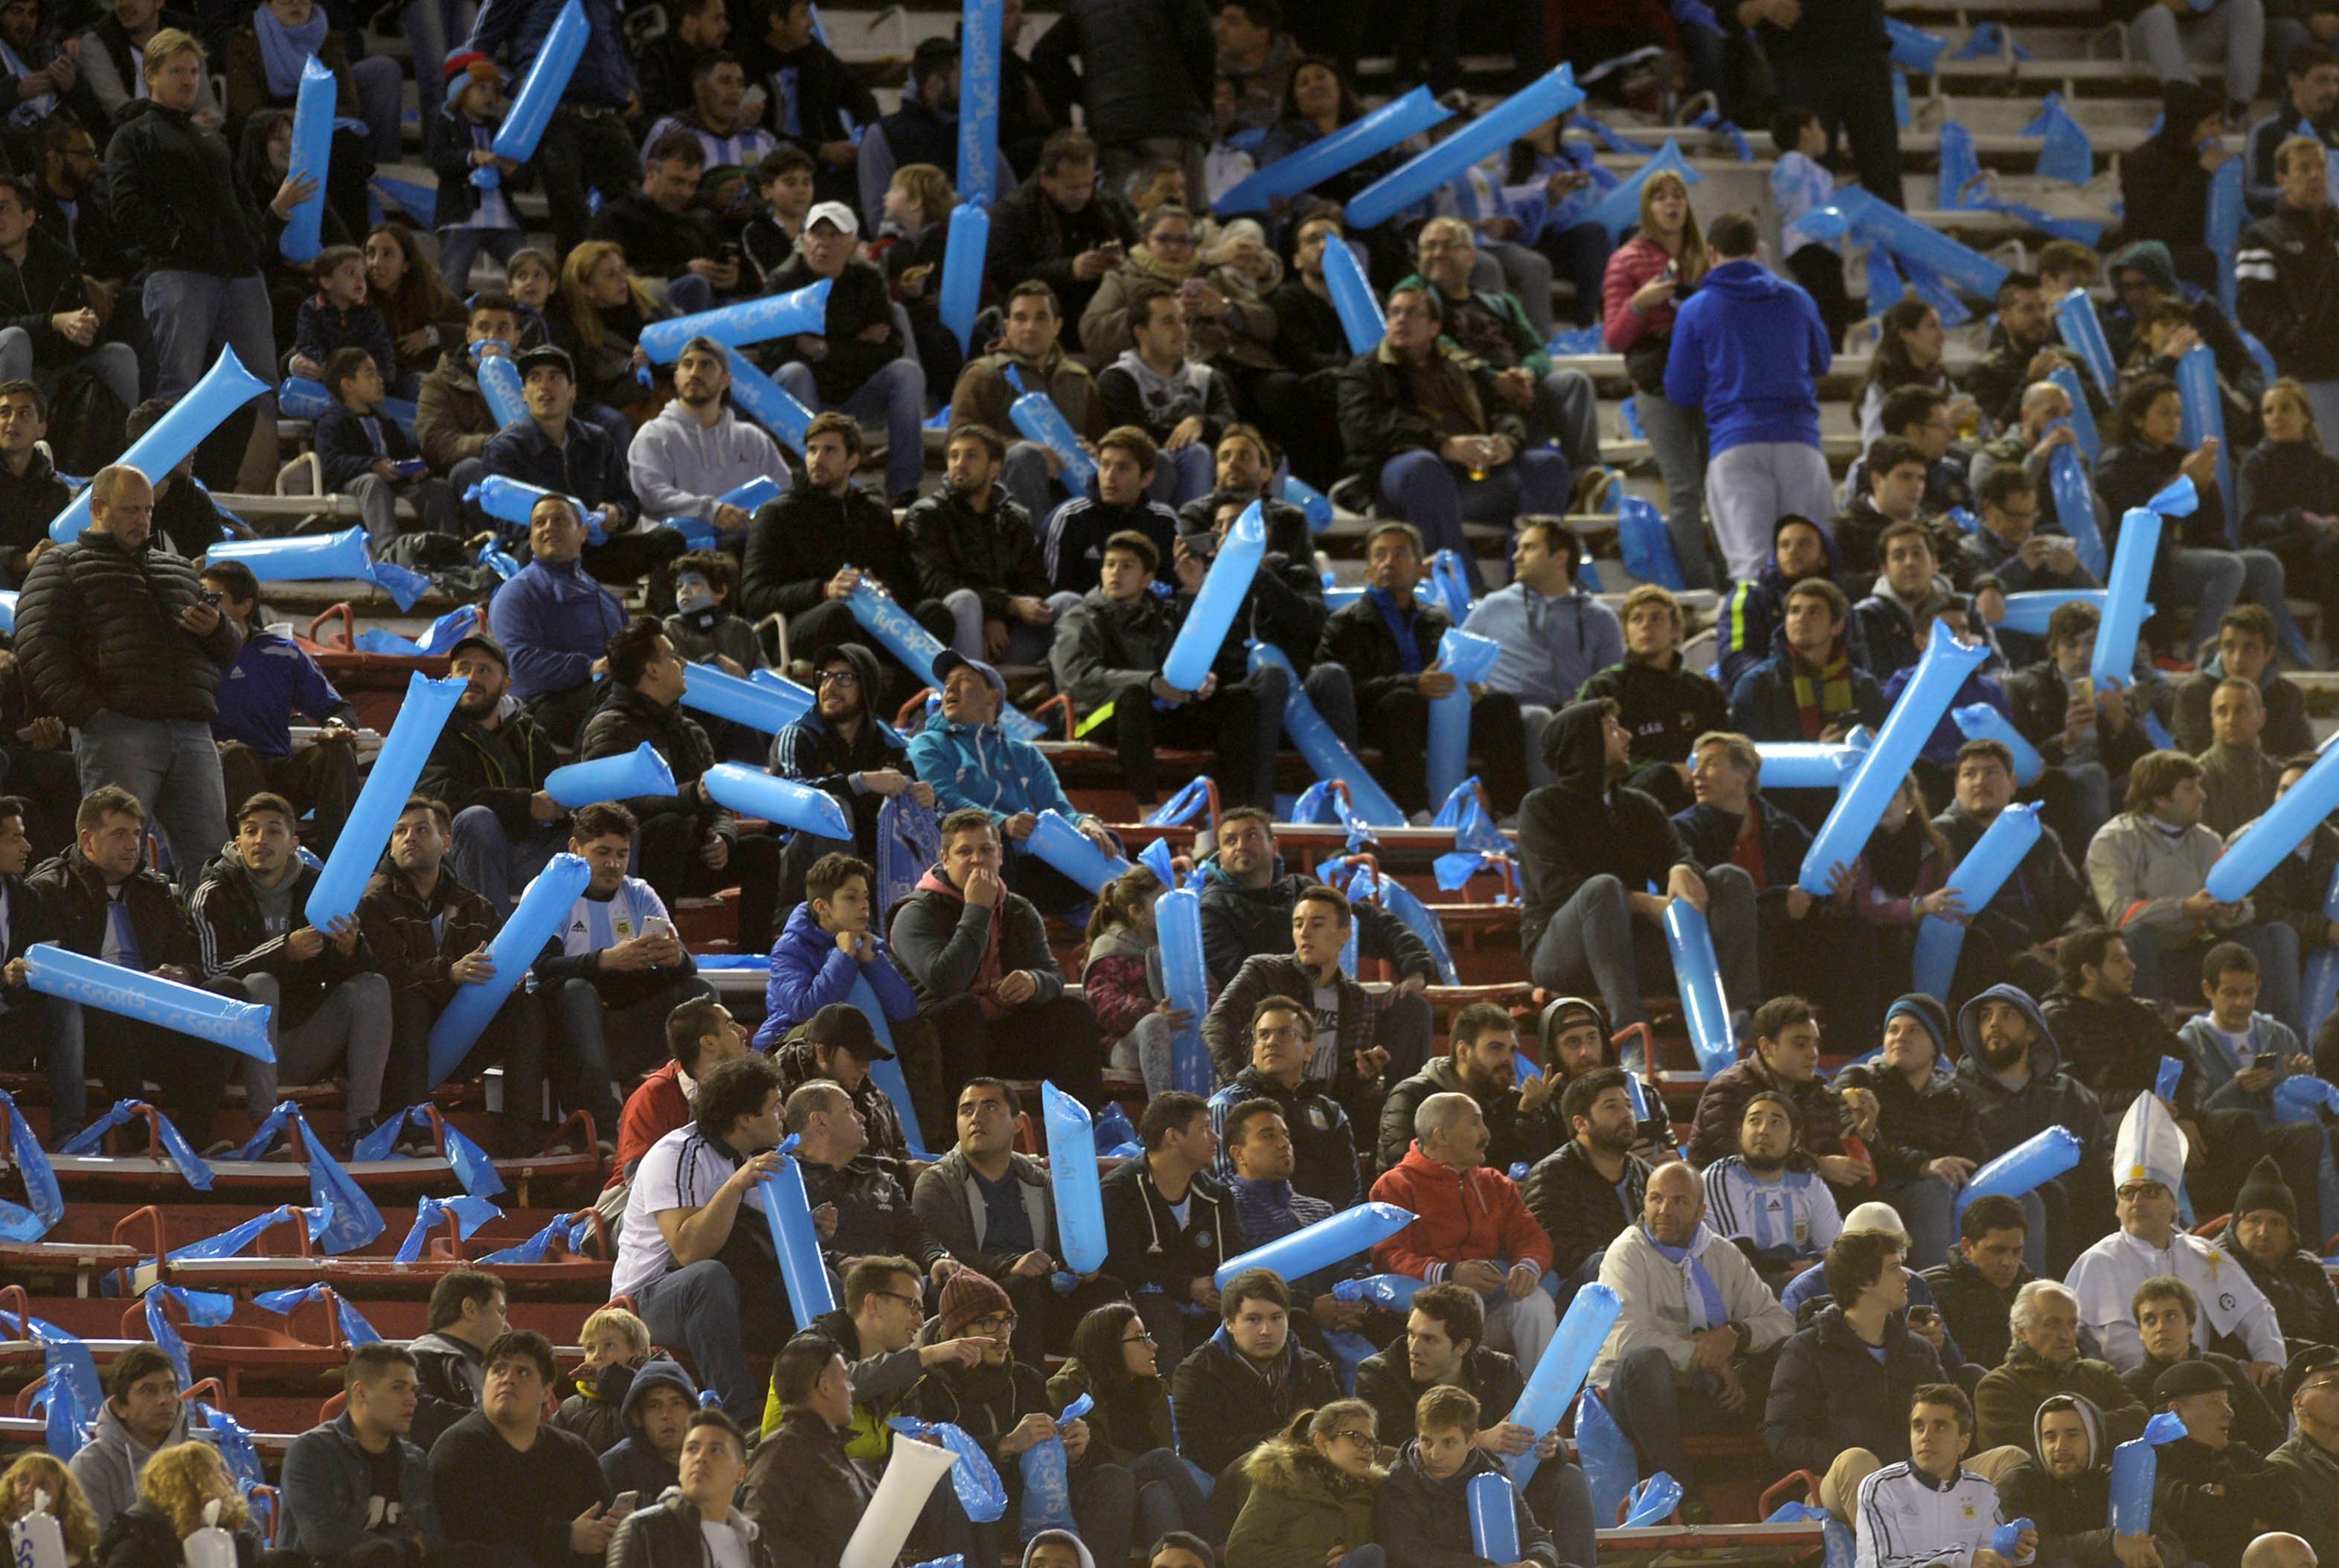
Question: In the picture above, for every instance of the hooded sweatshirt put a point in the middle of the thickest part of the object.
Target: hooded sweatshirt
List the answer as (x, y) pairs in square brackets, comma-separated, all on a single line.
[(680, 468), (108, 1465), (2048, 1097), (1058, 1538), (1755, 612), (634, 1466), (1749, 349), (1579, 827), (2071, 1511)]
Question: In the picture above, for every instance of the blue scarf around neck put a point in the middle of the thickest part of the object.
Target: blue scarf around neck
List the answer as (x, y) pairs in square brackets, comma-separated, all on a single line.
[(283, 51), (1401, 625), (1705, 1296)]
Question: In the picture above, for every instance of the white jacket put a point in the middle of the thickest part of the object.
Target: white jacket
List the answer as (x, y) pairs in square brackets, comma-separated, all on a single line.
[(1656, 1299), (1908, 1519), (2105, 1276), (2140, 874), (680, 467)]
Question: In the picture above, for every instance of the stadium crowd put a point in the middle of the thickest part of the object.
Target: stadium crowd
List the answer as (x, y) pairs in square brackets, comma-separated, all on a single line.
[(1803, 1285)]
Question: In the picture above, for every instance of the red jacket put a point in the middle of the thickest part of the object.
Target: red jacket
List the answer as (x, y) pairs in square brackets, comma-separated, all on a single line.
[(1460, 1215), (1642, 260), (653, 1110)]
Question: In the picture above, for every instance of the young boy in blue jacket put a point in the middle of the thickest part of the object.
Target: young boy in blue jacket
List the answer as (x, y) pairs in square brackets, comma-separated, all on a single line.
[(339, 316), (368, 457)]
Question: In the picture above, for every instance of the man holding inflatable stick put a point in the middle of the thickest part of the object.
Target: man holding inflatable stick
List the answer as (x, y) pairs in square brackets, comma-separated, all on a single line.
[(117, 640), (585, 145), (489, 767), (107, 904)]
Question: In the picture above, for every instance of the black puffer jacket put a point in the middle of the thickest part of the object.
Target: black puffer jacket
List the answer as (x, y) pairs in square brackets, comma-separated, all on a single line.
[(74, 892), (796, 544), (1916, 1126), (98, 629), (995, 553), (172, 190), (1577, 1208), (1829, 1392), (1146, 68), (624, 722), (499, 768), (27, 507)]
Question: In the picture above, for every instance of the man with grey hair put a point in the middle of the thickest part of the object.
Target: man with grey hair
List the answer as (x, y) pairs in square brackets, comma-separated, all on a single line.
[(2044, 1360), (117, 640), (1471, 1226)]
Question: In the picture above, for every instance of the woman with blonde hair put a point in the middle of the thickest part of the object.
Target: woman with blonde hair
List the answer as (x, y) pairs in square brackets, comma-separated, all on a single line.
[(1311, 1494), (173, 1490), (1645, 282), (42, 1473), (598, 316)]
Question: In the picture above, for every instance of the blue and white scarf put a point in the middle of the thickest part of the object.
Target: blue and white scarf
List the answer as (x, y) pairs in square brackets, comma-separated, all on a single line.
[(1703, 1295)]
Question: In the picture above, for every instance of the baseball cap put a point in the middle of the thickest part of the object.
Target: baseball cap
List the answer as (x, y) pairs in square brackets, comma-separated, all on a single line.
[(546, 354), (949, 659), (485, 644), (835, 212), (841, 1024)]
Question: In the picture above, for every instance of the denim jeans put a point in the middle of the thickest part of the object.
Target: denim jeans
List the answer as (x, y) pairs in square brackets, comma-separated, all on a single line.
[(437, 509), (192, 312), (173, 766), (2233, 31), (2166, 969), (380, 88), (458, 247), (1183, 476), (698, 1307), (897, 392), (1026, 645), (1567, 410), (431, 25), (1437, 498), (1026, 476), (1925, 1205), (2213, 579), (115, 364), (579, 152), (50, 1028), (1168, 1497), (594, 1038), (1596, 941), (1677, 437), (490, 863)]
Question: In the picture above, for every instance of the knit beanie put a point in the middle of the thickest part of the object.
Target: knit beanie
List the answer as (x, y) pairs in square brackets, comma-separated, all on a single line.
[(1927, 1012), (2265, 1188), (971, 1295)]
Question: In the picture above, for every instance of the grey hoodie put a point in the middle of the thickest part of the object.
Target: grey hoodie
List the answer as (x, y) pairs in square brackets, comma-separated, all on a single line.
[(1059, 1538), (679, 468), (108, 1465)]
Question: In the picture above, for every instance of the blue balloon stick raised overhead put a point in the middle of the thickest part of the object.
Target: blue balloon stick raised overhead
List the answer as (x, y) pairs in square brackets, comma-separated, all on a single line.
[(1976, 880), (1300, 171), (1073, 1174), (1862, 804), (982, 24), (1212, 613), (539, 93), (964, 250), (1334, 1239), (500, 384), (1546, 98), (639, 772), (313, 150), (226, 387), (1314, 738), (301, 558), (743, 325), (1353, 300), (125, 992), (751, 792), (542, 908), (357, 849)]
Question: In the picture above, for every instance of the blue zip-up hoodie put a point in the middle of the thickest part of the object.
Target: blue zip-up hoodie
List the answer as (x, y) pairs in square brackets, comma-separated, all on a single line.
[(271, 680), (1749, 349), (809, 972), (553, 622), (632, 1465), (978, 766)]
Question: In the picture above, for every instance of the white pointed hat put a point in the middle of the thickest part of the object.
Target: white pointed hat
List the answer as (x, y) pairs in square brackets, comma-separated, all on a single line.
[(2149, 1146)]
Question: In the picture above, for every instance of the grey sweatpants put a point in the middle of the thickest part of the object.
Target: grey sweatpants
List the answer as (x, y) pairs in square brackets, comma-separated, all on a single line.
[(1596, 942), (353, 1024)]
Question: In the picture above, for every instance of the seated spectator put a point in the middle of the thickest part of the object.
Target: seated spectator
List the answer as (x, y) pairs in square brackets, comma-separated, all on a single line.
[(2307, 1457), (2237, 774), (337, 1508), (974, 766), (329, 1008), (142, 1415), (422, 312), (872, 1207), (2165, 189), (808, 550), (715, 110), (1256, 1145), (714, 1459), (1481, 1062), (1114, 1361), (557, 621), (2066, 1489), (2148, 863), (1807, 1292), (1469, 1226), (1592, 1187), (1220, 292), (273, 678), (705, 1277), (367, 457), (1784, 1220), (784, 179), (452, 421), (2242, 1053), (1932, 1496), (700, 448), (1180, 404), (1109, 650), (861, 364), (1665, 704), (2023, 345), (2212, 1484), (555, 450), (616, 1345), (1555, 634), (619, 971), (978, 553), (106, 903), (1247, 1382), (2008, 546), (1755, 613), (1977, 1286), (459, 140), (1812, 686), (262, 63), (1175, 1245), (1492, 327), (1908, 579), (1922, 1136), (2088, 735), (1004, 1405), (1390, 646), (1354, 1042), (842, 747), (1924, 417), (1697, 1328), (1321, 1146), (700, 1036), (1587, 844), (508, 1481), (706, 628), (2013, 1071), (2045, 1360), (879, 1331), (491, 761), (2014, 935), (1424, 1510), (30, 494), (47, 345), (1072, 537), (1840, 1381), (2263, 1238), (655, 1411), (1433, 434), (828, 950), (2149, 1156), (2165, 1311), (2246, 651), (979, 959), (186, 1485), (1057, 228), (1785, 1061), (2286, 487), (1248, 899), (806, 1494), (689, 845), (467, 1313), (2310, 94), (339, 316), (1027, 356)]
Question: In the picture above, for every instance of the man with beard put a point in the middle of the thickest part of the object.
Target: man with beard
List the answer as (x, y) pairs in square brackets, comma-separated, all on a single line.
[(1026, 356), (1785, 1061), (489, 766), (698, 449), (2013, 1072), (2021, 350), (556, 448), (1323, 1149), (2014, 937), (1593, 1185), (1756, 610), (841, 748), (1785, 1220), (1351, 1043), (2216, 1491), (2166, 1310), (1665, 704), (1284, 606), (2045, 1360), (1247, 898), (63, 206), (717, 115), (1481, 1062), (2066, 1489), (978, 553), (1058, 228)]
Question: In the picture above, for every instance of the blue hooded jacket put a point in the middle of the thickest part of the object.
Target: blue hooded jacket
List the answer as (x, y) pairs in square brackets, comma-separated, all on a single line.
[(634, 1466), (1749, 349), (979, 766), (809, 972)]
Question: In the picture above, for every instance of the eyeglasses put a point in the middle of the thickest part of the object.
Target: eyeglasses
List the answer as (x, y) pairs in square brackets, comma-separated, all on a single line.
[(911, 1302), (1142, 1336), (994, 1323), (839, 677), (1361, 1439)]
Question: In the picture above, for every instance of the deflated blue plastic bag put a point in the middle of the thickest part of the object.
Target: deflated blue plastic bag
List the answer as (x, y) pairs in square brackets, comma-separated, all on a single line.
[(355, 1220), (48, 1203), (470, 1214), (472, 1166), (353, 1323), (174, 1142), (1047, 1477), (1606, 1454), (974, 1478), (204, 1309), (533, 1249), (230, 1242)]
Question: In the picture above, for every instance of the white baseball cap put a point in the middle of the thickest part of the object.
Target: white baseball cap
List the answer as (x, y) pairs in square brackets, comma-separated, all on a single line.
[(835, 212), (1880, 1218)]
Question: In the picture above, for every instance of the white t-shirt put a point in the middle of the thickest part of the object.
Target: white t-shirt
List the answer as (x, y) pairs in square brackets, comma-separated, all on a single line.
[(597, 923), (723, 1544), (682, 1170)]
